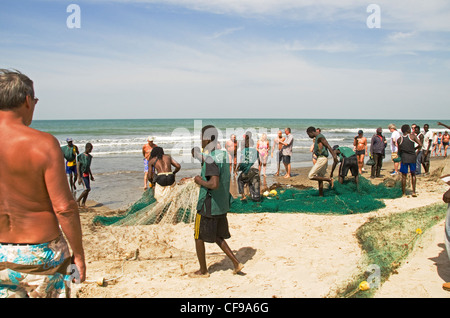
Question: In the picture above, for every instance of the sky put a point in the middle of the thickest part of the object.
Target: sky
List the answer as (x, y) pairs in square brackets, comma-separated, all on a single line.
[(231, 58)]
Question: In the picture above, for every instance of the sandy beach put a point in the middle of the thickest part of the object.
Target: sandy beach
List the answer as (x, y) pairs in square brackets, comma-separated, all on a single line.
[(292, 255)]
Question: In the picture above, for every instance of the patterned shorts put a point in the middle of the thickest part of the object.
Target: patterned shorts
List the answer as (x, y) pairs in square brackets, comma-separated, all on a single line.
[(35, 270)]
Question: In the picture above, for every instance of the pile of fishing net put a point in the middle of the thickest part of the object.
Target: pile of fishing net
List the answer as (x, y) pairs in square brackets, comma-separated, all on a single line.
[(178, 203), (346, 198), (159, 205)]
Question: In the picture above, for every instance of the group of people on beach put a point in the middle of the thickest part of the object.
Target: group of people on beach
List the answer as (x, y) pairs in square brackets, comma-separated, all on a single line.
[(410, 151), (440, 143), (250, 166), (41, 248), (78, 167)]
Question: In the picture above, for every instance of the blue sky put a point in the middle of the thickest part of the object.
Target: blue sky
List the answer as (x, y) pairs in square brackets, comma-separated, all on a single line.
[(231, 58)]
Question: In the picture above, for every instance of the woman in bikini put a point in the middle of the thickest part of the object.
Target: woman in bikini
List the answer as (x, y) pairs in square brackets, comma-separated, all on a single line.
[(263, 149)]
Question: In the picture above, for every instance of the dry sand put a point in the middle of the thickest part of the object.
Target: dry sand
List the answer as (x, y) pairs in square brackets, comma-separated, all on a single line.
[(285, 255)]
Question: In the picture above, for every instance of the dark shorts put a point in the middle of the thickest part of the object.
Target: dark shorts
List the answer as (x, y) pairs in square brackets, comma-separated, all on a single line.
[(87, 182), (71, 169), (286, 159), (280, 156), (350, 163), (360, 152), (404, 167), (208, 229), (165, 179)]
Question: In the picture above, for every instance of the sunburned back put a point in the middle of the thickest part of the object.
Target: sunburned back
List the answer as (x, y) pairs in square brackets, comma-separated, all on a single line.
[(26, 211)]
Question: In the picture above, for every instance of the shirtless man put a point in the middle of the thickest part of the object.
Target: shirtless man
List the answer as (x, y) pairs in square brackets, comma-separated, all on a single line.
[(146, 150), (360, 143), (321, 149), (232, 147), (35, 201), (445, 139), (163, 167), (278, 145)]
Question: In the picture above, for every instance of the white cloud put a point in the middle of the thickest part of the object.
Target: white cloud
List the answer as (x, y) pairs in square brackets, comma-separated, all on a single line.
[(225, 32), (395, 36), (334, 47), (409, 14)]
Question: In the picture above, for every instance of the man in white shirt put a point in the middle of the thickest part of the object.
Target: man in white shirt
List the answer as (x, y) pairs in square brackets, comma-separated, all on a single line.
[(394, 147), (427, 141)]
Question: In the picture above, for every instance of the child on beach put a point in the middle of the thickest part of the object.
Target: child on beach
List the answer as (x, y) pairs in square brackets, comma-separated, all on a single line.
[(84, 171), (211, 223)]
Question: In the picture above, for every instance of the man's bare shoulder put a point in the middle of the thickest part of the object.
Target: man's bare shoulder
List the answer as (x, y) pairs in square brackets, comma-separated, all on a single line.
[(41, 144), (15, 133), (42, 138)]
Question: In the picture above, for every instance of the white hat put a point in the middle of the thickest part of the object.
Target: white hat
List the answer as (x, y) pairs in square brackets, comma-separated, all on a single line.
[(150, 138)]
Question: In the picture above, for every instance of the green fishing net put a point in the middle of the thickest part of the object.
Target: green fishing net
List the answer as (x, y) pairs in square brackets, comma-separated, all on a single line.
[(387, 241), (180, 204), (170, 205), (346, 198)]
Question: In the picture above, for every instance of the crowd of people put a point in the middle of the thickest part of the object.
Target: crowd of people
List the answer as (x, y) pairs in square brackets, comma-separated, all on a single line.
[(440, 143), (411, 149), (37, 205)]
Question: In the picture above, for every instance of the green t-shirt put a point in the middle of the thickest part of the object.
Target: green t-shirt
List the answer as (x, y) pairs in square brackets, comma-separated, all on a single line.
[(85, 162), (345, 152), (317, 152), (216, 202)]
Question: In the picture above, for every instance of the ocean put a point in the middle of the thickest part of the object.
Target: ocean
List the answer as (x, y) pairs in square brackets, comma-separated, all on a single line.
[(118, 162)]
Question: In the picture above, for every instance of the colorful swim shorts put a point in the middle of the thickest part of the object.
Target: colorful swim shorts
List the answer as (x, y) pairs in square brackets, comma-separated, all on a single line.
[(71, 169), (35, 270), (145, 165)]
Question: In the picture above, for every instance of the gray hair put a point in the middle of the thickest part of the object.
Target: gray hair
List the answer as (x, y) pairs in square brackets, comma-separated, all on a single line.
[(14, 89)]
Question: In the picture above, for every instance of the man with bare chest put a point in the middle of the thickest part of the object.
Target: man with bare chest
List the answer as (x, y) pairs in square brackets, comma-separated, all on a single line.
[(35, 201), (360, 144)]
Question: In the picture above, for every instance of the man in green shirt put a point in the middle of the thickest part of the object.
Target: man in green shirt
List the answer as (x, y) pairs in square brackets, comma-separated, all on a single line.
[(84, 171), (211, 224), (348, 160)]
